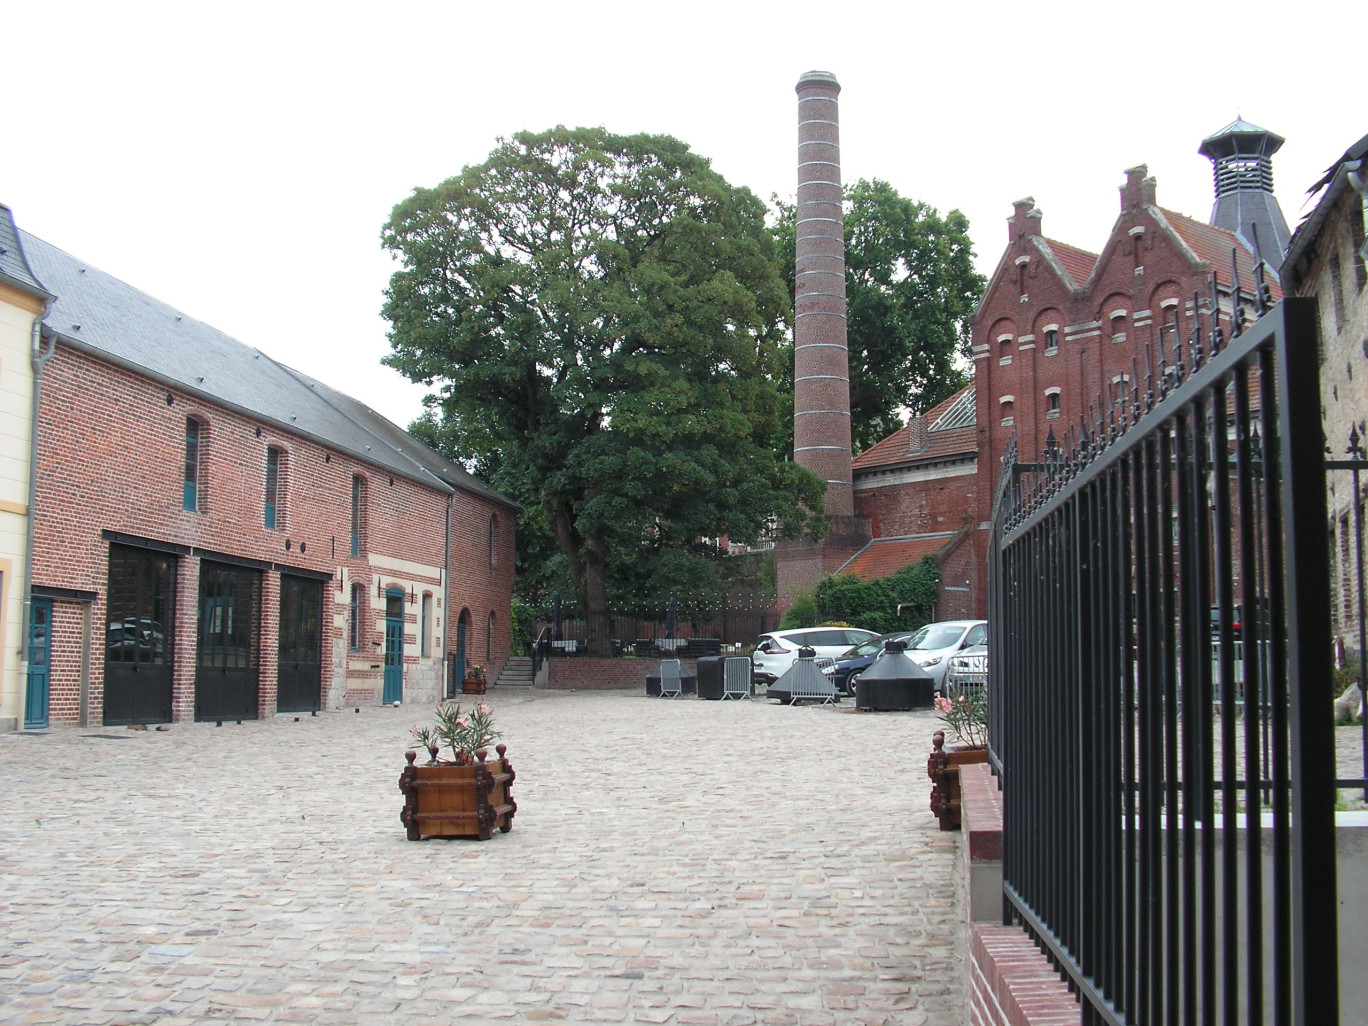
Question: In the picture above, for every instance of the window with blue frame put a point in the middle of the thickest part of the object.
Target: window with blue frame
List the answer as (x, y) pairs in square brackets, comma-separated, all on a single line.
[(272, 485), (190, 493)]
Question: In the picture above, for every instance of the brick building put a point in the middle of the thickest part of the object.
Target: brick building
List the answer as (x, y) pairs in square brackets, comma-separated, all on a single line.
[(1328, 259), (217, 536), (1060, 328)]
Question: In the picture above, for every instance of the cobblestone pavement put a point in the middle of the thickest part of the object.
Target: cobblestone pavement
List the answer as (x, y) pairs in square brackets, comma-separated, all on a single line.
[(682, 862)]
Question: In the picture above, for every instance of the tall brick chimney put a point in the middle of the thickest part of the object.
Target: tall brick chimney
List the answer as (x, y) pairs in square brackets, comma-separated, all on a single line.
[(821, 365), (821, 368)]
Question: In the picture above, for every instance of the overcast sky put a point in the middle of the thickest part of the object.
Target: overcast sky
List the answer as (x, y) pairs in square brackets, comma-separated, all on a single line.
[(238, 160)]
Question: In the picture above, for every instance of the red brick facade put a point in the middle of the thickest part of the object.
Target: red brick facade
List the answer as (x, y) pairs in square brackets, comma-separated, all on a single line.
[(1056, 329), (1059, 327), (111, 464)]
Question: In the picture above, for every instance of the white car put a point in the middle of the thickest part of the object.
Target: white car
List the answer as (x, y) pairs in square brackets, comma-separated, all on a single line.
[(776, 651), (932, 646)]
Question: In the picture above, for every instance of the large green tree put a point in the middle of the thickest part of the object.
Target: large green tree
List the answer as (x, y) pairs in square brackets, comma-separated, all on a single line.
[(911, 288), (602, 317)]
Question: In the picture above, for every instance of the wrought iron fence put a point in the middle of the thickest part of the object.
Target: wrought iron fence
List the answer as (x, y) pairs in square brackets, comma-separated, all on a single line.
[(682, 631), (1160, 688)]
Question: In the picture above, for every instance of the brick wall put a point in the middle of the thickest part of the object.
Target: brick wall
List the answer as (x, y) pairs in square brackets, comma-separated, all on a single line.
[(944, 503), (1011, 981), (111, 459)]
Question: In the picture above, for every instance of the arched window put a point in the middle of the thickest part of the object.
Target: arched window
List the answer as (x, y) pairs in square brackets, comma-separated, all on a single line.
[(1052, 402), (493, 539), (1007, 407)]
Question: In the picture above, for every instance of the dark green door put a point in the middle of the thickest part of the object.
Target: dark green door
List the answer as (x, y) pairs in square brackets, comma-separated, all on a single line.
[(40, 661), (139, 635), (226, 660), (394, 647), (300, 662)]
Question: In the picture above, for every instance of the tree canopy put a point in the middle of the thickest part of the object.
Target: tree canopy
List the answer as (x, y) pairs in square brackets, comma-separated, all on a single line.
[(911, 288), (602, 318)]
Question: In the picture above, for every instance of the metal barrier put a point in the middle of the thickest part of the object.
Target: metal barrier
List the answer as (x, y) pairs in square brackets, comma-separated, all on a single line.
[(671, 678), (736, 677), (1175, 859), (804, 681)]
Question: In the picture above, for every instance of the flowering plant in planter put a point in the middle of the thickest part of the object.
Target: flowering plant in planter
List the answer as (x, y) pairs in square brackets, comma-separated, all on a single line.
[(465, 733), (475, 672), (967, 715)]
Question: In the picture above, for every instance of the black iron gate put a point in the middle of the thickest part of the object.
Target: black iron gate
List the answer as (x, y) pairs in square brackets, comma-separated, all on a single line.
[(300, 666), (226, 663), (1160, 690), (141, 618)]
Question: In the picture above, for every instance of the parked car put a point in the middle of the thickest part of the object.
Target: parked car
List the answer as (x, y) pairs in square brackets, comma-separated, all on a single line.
[(776, 651), (851, 664), (967, 668), (933, 645)]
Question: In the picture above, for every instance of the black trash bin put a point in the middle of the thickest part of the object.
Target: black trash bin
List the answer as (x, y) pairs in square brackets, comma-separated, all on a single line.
[(710, 684), (894, 683)]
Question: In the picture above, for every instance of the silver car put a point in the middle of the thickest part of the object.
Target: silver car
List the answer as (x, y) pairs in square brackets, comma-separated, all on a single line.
[(968, 669), (932, 646)]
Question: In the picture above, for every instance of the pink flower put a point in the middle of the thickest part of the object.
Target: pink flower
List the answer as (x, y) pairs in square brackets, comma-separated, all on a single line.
[(462, 722), (484, 708)]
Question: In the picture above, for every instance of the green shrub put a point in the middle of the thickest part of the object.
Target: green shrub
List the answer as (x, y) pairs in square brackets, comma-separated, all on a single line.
[(873, 605)]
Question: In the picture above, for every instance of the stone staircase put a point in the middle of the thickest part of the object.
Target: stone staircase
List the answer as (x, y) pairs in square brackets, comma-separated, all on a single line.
[(517, 673)]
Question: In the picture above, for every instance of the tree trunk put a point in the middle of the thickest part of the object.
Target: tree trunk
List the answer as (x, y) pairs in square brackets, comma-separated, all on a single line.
[(596, 596)]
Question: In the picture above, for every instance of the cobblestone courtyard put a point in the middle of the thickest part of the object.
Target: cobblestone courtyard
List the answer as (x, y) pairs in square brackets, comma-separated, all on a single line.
[(681, 862)]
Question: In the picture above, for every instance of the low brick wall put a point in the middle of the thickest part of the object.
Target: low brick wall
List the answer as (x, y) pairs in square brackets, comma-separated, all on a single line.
[(585, 673), (1011, 982)]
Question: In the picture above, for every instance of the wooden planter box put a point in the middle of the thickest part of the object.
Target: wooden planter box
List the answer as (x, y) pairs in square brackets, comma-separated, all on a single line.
[(458, 801), (943, 769), (473, 686)]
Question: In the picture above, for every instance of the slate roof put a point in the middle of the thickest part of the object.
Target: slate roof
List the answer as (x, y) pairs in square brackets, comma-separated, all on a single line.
[(884, 556), (943, 443), (1335, 181), (14, 265), (97, 312)]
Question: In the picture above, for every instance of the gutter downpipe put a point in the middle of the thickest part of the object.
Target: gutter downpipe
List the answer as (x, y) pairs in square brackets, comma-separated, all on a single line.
[(1354, 169), (446, 597), (39, 358)]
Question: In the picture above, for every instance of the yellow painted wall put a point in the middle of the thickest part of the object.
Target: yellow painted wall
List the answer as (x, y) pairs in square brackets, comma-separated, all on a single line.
[(17, 311)]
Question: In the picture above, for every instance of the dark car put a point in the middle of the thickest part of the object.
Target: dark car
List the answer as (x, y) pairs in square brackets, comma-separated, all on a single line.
[(858, 659)]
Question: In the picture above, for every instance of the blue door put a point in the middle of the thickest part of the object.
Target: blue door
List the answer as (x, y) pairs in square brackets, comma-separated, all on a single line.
[(394, 647), (40, 661)]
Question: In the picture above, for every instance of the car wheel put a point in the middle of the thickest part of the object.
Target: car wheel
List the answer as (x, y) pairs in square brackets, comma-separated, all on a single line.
[(850, 682)]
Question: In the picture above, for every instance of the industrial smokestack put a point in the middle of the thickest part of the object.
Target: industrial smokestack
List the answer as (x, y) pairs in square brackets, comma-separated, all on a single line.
[(821, 367)]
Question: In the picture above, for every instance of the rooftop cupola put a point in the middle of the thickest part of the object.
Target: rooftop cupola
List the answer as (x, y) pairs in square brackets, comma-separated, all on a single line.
[(1242, 158)]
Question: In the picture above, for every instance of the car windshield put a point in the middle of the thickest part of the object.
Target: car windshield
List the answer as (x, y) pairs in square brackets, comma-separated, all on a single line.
[(865, 648), (936, 636)]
